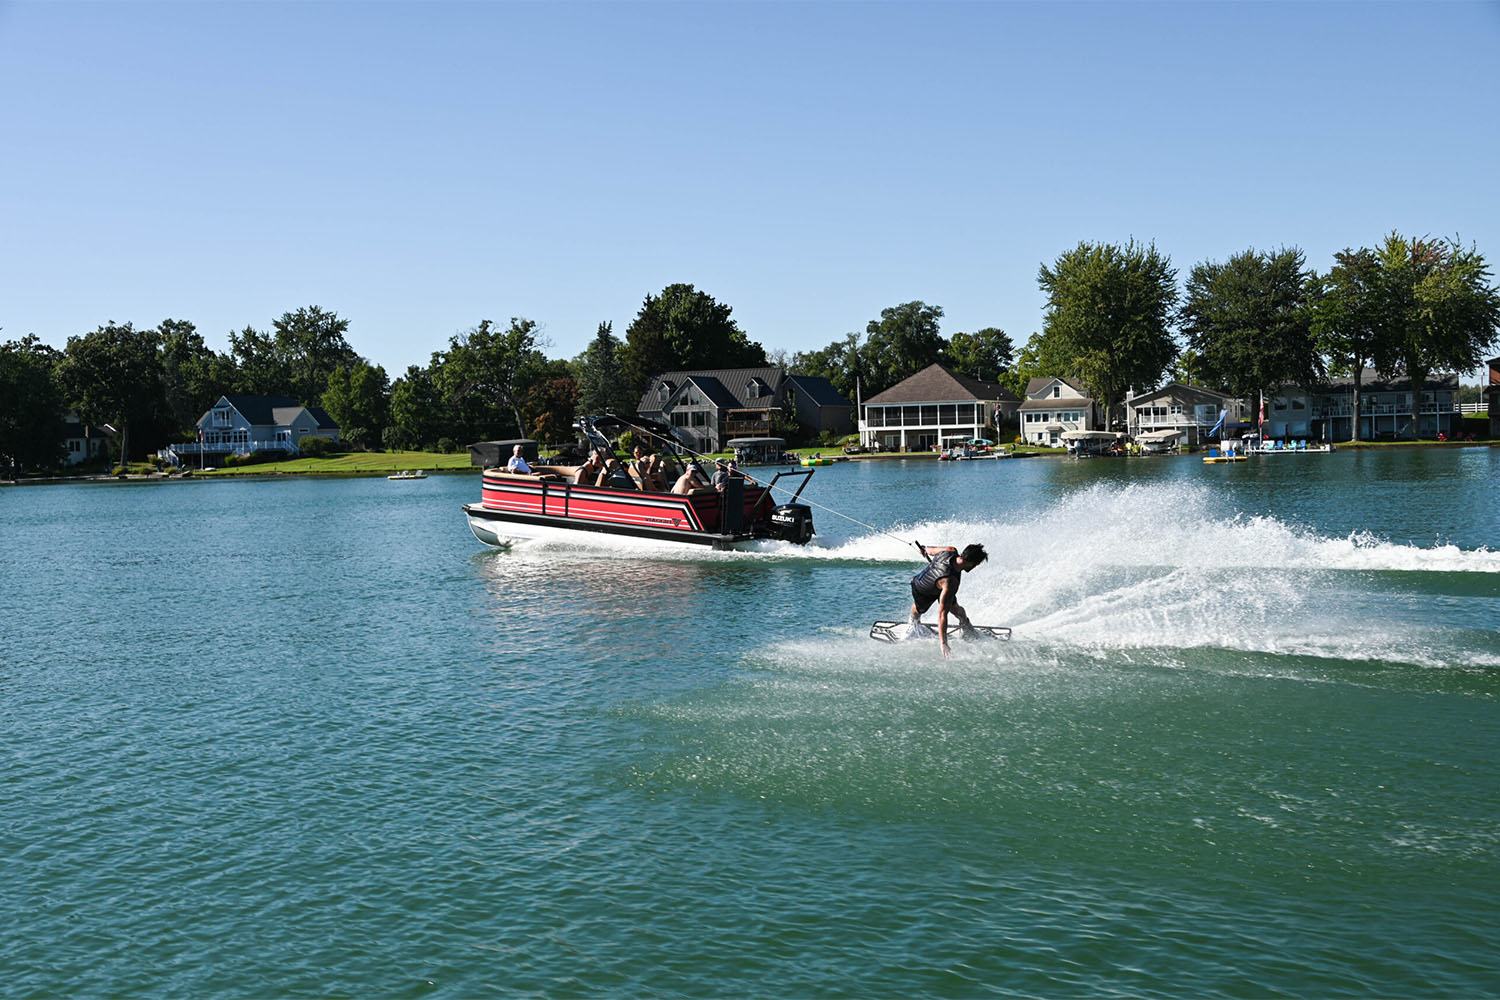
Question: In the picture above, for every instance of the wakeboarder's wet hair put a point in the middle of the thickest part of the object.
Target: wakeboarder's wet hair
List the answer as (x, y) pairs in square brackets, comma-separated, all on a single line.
[(974, 554)]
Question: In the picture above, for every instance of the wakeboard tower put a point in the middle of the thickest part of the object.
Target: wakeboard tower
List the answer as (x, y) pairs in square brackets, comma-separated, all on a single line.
[(909, 632)]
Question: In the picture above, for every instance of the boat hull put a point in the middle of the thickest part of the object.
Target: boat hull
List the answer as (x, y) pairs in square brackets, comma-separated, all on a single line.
[(505, 528)]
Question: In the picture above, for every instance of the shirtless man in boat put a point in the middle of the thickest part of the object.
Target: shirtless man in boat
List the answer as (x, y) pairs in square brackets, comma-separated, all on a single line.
[(938, 581)]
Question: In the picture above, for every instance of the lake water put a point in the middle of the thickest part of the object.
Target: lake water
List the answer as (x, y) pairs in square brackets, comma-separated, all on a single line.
[(298, 737)]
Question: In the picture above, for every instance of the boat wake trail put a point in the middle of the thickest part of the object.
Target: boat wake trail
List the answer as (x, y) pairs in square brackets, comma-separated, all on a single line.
[(1114, 568)]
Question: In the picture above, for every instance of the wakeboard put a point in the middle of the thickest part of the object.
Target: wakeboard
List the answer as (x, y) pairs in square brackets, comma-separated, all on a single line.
[(906, 632)]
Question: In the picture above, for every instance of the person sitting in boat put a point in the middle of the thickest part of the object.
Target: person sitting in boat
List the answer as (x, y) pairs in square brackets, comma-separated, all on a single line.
[(721, 475), (938, 581), (588, 472), (518, 462), (616, 476), (691, 479), (654, 477)]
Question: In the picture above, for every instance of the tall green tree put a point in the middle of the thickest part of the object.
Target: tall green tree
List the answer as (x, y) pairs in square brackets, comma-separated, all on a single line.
[(1043, 356), (840, 363), (418, 416), (1249, 320), (113, 375), (1439, 310), (311, 342), (683, 328), (904, 340), (194, 375), (357, 397), (486, 373), (1109, 307), (259, 368), (600, 376), (1346, 318), (31, 406), (984, 354)]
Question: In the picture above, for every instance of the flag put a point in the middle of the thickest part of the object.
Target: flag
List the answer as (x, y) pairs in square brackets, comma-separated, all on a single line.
[(1262, 421), (1220, 425)]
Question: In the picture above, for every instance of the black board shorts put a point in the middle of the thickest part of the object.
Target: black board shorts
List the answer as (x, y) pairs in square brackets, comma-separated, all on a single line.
[(922, 600)]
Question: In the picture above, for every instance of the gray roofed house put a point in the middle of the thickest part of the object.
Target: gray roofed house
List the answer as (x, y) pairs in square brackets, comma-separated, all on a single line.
[(711, 406), (239, 424), (935, 403), (1325, 412), (1055, 405)]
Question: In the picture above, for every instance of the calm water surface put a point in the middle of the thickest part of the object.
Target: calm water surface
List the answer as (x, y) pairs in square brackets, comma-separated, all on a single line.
[(311, 738)]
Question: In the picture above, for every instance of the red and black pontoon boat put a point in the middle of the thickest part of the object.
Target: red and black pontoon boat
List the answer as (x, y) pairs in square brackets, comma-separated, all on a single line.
[(547, 503)]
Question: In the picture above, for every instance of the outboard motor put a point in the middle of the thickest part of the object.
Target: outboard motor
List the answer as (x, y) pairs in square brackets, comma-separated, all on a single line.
[(792, 522)]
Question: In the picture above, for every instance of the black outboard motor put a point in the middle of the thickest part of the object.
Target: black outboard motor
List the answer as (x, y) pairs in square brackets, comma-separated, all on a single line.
[(792, 522)]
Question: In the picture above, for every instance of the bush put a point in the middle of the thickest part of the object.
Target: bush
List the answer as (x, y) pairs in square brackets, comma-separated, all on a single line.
[(317, 447), (447, 446), (119, 470)]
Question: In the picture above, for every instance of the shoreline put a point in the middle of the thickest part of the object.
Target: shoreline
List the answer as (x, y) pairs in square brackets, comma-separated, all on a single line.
[(383, 473)]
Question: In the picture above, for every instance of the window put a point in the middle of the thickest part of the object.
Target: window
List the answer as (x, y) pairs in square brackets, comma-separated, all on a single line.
[(947, 414), (73, 444), (929, 414), (1298, 404), (911, 415), (1056, 392), (222, 417), (700, 418)]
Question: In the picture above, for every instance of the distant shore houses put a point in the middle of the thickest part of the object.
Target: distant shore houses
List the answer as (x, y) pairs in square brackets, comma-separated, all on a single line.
[(1326, 412), (241, 424), (1179, 415), (84, 442), (710, 407), (935, 404), (1055, 406)]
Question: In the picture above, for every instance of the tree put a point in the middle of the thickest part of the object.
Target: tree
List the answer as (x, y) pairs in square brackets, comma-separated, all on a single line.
[(683, 328), (1108, 306), (840, 363), (357, 397), (551, 404), (984, 354), (1346, 318), (311, 344), (259, 368), (903, 341), (1439, 310), (417, 411), (193, 374), (487, 372), (1250, 322), (1043, 356), (31, 405), (600, 377), (114, 375)]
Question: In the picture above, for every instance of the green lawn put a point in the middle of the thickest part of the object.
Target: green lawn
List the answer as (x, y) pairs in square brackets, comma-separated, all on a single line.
[(352, 464)]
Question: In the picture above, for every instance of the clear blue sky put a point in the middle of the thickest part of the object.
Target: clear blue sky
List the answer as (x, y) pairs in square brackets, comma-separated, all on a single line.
[(419, 167)]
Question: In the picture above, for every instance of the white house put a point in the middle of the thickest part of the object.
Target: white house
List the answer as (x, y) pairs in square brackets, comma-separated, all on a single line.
[(935, 403), (244, 424), (1179, 414), (84, 442), (1054, 406)]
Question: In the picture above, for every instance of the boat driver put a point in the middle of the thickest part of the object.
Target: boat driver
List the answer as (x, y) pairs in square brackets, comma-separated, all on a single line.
[(518, 462), (939, 581)]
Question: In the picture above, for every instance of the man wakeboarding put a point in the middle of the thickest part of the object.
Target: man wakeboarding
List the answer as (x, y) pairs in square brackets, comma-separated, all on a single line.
[(938, 581)]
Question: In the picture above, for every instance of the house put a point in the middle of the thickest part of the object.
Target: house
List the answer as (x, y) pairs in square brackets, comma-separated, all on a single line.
[(710, 407), (1055, 405), (1325, 412), (84, 442), (243, 424), (935, 403), (1180, 414), (1492, 397)]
